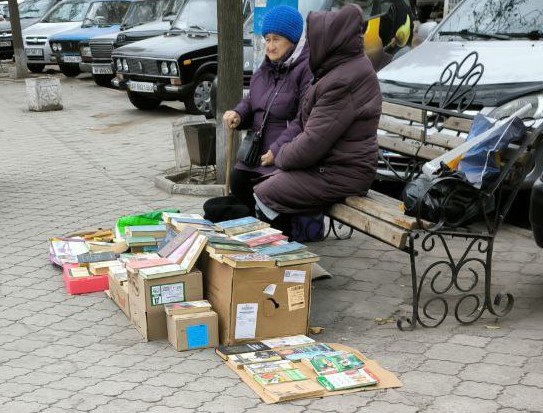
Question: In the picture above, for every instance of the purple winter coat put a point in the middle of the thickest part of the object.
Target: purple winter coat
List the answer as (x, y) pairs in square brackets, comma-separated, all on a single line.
[(291, 79), (336, 154)]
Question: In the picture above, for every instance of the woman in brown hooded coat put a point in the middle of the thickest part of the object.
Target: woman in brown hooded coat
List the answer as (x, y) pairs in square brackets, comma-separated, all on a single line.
[(336, 154)]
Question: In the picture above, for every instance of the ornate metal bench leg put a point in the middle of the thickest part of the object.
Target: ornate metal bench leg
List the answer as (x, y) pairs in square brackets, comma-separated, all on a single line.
[(503, 302), (406, 323)]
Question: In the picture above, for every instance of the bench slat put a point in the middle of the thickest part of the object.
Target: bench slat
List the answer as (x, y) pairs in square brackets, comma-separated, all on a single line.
[(459, 124), (403, 112), (392, 213), (409, 147), (445, 140), (382, 230), (389, 124)]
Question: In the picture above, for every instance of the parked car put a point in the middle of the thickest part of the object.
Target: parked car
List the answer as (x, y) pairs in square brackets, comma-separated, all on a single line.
[(162, 13), (182, 64), (103, 16), (64, 16), (507, 36), (30, 12)]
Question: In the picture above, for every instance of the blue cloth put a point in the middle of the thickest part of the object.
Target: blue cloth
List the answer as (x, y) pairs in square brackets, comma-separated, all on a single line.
[(285, 21)]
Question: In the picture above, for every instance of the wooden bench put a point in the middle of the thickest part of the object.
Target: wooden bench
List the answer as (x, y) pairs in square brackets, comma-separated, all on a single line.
[(423, 133)]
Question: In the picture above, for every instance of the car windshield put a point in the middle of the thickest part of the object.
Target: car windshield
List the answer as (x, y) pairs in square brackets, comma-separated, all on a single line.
[(4, 11), (105, 13), (370, 7), (494, 19), (34, 9), (143, 11), (197, 14), (71, 11), (171, 9)]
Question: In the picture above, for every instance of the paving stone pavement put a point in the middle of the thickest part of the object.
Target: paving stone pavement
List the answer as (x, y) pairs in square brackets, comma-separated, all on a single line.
[(94, 161)]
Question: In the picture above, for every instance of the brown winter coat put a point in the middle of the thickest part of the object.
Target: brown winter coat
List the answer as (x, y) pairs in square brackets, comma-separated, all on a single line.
[(336, 154)]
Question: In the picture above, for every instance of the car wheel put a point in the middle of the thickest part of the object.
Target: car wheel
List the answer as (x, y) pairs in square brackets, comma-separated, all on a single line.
[(199, 101), (103, 80), (69, 70), (35, 67), (143, 102)]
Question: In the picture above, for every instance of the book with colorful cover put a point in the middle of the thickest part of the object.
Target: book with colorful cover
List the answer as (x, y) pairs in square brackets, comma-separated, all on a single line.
[(269, 367), (256, 234), (155, 231), (348, 380), (167, 216), (227, 249), (276, 377), (288, 341), (180, 226), (180, 252), (89, 257), (66, 250), (140, 241), (271, 244), (248, 260), (225, 351), (303, 257), (133, 256), (161, 271), (187, 307), (266, 240), (236, 222), (135, 265), (176, 242), (255, 226), (193, 253), (289, 248), (254, 357), (335, 363), (305, 352), (170, 234)]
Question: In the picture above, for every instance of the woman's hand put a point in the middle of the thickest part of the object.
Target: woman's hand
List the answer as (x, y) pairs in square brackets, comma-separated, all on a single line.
[(267, 159), (231, 119)]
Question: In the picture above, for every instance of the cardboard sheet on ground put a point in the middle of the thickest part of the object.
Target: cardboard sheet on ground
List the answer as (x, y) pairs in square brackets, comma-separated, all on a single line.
[(310, 388)]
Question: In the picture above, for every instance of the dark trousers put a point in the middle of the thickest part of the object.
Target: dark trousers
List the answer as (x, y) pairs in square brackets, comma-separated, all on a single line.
[(241, 185)]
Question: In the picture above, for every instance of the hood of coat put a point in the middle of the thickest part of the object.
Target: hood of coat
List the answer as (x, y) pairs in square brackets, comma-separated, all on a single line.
[(334, 37)]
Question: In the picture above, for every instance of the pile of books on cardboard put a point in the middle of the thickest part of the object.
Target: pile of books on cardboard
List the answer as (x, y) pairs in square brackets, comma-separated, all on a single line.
[(297, 367), (251, 243)]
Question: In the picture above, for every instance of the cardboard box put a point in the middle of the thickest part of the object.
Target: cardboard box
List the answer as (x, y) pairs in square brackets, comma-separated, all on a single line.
[(192, 331), (257, 303), (147, 299), (118, 292)]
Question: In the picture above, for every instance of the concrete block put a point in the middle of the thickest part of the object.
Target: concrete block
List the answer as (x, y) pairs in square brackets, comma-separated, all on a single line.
[(43, 94)]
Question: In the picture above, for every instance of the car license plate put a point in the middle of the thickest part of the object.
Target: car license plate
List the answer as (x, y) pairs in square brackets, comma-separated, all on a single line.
[(145, 87), (102, 70), (71, 59), (5, 44), (34, 52)]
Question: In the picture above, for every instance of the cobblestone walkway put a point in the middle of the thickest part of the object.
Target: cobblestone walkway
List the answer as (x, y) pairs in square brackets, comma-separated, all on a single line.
[(94, 161)]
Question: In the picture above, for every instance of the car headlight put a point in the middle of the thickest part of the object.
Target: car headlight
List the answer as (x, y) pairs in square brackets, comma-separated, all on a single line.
[(164, 68), (173, 69), (125, 65), (86, 51), (59, 47), (119, 64), (54, 47), (507, 109)]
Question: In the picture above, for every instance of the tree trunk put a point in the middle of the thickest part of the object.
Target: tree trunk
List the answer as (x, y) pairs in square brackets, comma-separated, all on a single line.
[(230, 71), (18, 46)]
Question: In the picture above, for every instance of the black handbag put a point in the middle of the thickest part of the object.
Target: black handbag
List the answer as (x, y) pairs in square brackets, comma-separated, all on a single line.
[(251, 146)]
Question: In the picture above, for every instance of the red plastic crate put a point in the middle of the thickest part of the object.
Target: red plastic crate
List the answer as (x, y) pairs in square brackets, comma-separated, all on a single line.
[(83, 285)]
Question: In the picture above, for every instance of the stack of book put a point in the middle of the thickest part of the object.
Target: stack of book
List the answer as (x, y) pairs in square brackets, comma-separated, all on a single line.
[(145, 238), (184, 248), (180, 221), (250, 242)]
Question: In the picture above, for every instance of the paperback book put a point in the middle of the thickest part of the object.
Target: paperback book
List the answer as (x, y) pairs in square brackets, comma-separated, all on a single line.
[(266, 240), (348, 380), (193, 253), (236, 222), (155, 231), (176, 242), (255, 226), (269, 367), (225, 351), (277, 377), (256, 234), (79, 272), (102, 268), (167, 216), (254, 357), (95, 257), (227, 249), (161, 271), (305, 352), (187, 307), (248, 260), (303, 257), (289, 248), (135, 265), (180, 252), (298, 340), (336, 363), (140, 241)]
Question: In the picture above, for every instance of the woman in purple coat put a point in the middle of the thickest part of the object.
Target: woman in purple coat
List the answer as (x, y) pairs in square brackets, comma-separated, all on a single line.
[(279, 84)]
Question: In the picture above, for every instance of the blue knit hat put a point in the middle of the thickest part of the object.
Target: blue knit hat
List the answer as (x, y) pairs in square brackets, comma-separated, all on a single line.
[(285, 21)]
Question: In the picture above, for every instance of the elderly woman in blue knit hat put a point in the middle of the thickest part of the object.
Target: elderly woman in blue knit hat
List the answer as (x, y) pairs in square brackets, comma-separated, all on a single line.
[(275, 92)]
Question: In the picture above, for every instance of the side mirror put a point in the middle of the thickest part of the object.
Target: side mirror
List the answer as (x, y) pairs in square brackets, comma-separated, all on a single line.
[(425, 30)]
